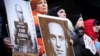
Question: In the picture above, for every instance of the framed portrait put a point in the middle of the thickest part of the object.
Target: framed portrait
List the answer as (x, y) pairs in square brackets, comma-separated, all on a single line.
[(21, 27), (55, 35)]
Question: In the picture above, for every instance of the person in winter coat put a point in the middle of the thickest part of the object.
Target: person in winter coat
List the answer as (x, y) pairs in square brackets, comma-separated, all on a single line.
[(80, 32), (78, 24), (59, 11), (91, 29), (39, 7)]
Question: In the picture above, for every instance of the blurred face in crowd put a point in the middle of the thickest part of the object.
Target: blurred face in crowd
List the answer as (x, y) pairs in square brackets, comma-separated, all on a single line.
[(96, 28), (42, 6), (61, 13), (79, 23), (57, 39)]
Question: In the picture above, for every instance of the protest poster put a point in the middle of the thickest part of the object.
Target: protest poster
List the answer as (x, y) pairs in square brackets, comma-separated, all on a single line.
[(55, 35), (21, 28)]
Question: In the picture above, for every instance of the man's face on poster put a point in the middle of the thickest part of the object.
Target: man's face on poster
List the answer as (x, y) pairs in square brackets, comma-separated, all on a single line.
[(19, 12), (57, 39)]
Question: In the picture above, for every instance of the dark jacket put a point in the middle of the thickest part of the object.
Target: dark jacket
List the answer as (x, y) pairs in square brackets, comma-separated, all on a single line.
[(79, 47), (78, 41), (4, 51)]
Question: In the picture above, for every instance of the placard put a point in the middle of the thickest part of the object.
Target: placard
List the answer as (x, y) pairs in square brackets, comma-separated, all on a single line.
[(21, 28), (55, 35)]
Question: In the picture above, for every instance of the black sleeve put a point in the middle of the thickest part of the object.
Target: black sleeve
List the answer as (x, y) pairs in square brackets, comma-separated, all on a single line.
[(3, 30), (3, 19)]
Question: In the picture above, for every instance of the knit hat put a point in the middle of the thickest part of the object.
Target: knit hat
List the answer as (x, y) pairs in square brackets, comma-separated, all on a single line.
[(74, 18), (54, 10), (34, 3)]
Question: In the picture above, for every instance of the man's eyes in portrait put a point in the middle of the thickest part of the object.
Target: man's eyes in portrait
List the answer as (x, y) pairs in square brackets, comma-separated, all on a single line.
[(61, 38), (53, 37), (20, 12)]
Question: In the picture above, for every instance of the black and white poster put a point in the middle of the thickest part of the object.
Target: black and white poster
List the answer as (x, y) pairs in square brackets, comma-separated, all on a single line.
[(21, 27), (55, 35)]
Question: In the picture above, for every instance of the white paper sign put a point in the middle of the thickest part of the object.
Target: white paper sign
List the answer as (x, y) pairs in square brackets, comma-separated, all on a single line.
[(21, 27)]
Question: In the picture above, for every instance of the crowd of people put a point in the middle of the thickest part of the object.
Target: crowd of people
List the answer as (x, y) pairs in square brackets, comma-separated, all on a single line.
[(81, 32)]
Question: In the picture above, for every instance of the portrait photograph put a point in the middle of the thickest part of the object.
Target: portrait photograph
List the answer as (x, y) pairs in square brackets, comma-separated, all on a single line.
[(21, 27), (55, 35)]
